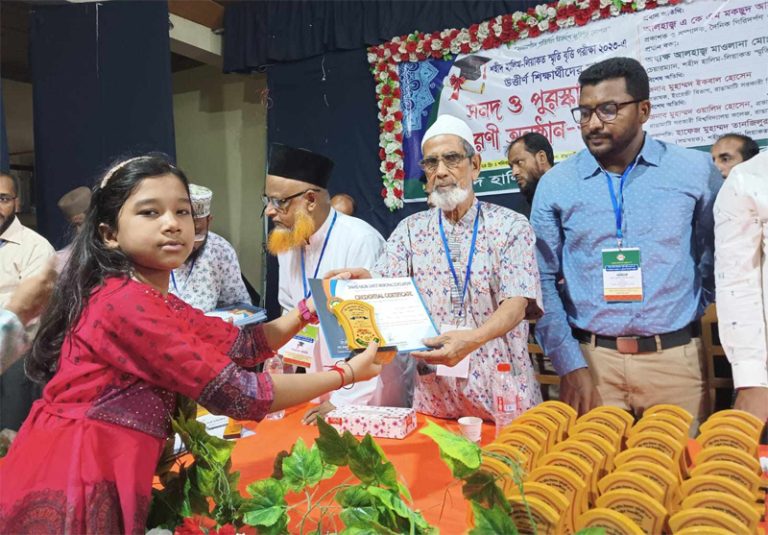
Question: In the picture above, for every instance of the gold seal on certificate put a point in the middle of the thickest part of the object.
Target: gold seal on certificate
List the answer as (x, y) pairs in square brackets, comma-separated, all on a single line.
[(358, 321)]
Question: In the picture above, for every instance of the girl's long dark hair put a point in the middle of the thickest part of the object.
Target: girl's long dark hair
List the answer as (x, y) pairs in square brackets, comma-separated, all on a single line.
[(91, 261)]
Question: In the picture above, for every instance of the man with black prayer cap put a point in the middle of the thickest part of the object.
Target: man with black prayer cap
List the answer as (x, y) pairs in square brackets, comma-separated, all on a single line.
[(309, 239)]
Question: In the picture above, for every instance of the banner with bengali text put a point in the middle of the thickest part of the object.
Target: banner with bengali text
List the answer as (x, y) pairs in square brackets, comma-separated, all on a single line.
[(707, 62)]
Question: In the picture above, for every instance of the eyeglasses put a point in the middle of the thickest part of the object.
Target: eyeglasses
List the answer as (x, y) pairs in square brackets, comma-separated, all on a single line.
[(451, 161), (606, 112), (282, 204), (5, 199)]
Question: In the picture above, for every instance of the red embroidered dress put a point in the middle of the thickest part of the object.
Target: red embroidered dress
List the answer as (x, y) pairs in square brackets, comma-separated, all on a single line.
[(84, 459)]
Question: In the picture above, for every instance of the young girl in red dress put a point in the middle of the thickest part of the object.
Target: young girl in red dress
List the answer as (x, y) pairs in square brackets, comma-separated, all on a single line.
[(115, 347)]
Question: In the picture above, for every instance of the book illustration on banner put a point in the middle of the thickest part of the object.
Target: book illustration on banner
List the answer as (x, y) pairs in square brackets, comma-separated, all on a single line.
[(353, 313), (240, 315)]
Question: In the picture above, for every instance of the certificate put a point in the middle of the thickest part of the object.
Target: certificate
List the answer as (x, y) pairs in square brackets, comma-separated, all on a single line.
[(400, 313)]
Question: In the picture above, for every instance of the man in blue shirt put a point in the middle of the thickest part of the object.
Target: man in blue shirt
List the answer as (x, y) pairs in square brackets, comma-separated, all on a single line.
[(628, 224)]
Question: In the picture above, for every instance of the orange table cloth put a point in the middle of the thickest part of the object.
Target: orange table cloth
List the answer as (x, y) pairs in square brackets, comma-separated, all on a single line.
[(436, 494)]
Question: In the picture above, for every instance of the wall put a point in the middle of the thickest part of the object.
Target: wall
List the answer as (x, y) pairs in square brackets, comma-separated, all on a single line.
[(220, 124), (18, 116)]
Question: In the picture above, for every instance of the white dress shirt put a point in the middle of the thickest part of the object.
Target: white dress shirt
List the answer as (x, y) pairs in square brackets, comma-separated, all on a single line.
[(352, 243), (741, 242), (23, 252)]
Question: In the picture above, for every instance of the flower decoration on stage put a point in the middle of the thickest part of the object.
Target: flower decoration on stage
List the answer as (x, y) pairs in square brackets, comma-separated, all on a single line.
[(493, 33)]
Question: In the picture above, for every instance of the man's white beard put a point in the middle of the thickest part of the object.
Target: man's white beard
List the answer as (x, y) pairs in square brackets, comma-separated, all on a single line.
[(448, 200)]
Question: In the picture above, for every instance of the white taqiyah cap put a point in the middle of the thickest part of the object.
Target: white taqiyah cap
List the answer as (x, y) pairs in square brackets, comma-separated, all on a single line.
[(448, 124), (201, 200)]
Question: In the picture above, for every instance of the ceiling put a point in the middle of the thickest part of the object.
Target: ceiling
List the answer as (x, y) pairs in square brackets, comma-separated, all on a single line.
[(14, 33)]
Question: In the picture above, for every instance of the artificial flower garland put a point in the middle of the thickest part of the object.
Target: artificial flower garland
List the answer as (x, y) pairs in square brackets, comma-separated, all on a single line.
[(500, 30)]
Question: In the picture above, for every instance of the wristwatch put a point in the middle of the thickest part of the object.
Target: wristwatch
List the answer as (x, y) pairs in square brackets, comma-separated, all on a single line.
[(306, 315)]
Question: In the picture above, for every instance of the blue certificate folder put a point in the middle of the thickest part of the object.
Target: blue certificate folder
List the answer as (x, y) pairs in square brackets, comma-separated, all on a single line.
[(241, 314), (401, 315)]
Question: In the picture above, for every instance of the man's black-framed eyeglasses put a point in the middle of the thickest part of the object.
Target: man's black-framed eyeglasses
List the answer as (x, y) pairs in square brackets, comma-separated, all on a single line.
[(451, 161), (606, 112), (282, 204)]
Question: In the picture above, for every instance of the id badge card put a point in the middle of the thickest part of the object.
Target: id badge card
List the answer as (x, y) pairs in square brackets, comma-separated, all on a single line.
[(461, 370), (300, 349), (622, 275)]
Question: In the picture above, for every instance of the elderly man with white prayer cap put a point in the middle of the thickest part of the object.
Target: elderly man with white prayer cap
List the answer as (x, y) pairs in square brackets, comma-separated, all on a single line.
[(475, 266), (211, 277)]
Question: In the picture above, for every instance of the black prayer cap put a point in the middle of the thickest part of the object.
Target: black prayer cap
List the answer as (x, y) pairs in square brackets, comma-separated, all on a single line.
[(299, 164), (470, 66)]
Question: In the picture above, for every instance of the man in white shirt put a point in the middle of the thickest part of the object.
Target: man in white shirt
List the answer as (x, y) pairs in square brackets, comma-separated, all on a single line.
[(23, 252), (741, 270), (211, 277), (310, 238)]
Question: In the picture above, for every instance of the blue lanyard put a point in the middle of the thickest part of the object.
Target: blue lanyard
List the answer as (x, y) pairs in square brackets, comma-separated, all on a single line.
[(189, 275), (618, 202), (304, 282), (471, 253)]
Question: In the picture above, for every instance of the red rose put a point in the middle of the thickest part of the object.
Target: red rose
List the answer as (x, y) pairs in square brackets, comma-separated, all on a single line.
[(604, 13), (398, 115), (650, 4), (627, 8), (473, 30), (399, 137), (454, 33), (381, 66), (396, 92), (379, 52), (383, 192), (582, 17), (382, 154), (410, 46), (389, 166), (521, 24), (386, 102), (534, 31), (489, 42), (394, 76), (399, 153), (464, 48), (389, 126), (594, 5), (513, 35), (226, 529), (398, 193), (446, 43), (386, 90), (553, 27), (532, 11), (399, 174)]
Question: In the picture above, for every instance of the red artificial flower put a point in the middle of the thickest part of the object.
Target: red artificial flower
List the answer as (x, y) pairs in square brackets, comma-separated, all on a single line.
[(381, 66), (382, 154), (386, 102), (604, 13), (464, 48), (398, 193), (513, 35), (532, 11), (473, 31), (389, 166), (454, 33), (386, 90), (399, 137), (489, 42), (394, 76), (398, 115), (396, 92), (594, 5), (383, 192), (534, 31), (446, 43), (553, 27), (194, 525), (389, 126), (399, 153), (627, 8), (379, 52), (226, 529), (399, 174), (521, 24), (582, 17), (411, 46), (650, 4), (426, 45)]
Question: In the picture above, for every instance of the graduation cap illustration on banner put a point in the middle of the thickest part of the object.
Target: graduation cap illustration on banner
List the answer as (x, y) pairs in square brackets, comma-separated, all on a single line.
[(471, 75)]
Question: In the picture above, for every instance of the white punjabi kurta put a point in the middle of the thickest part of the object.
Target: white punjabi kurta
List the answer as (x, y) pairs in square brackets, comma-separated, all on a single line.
[(504, 266), (213, 280), (352, 243), (741, 270)]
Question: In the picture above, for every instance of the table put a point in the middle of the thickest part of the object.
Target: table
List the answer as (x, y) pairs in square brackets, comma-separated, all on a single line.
[(436, 494)]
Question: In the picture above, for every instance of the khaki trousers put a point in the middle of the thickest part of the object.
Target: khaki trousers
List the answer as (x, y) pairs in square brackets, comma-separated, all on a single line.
[(636, 382)]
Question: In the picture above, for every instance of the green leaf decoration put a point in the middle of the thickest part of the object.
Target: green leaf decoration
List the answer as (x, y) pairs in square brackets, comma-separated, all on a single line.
[(267, 507), (303, 467), (461, 455), (481, 487), (393, 502), (333, 448), (368, 463), (492, 521), (372, 529)]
